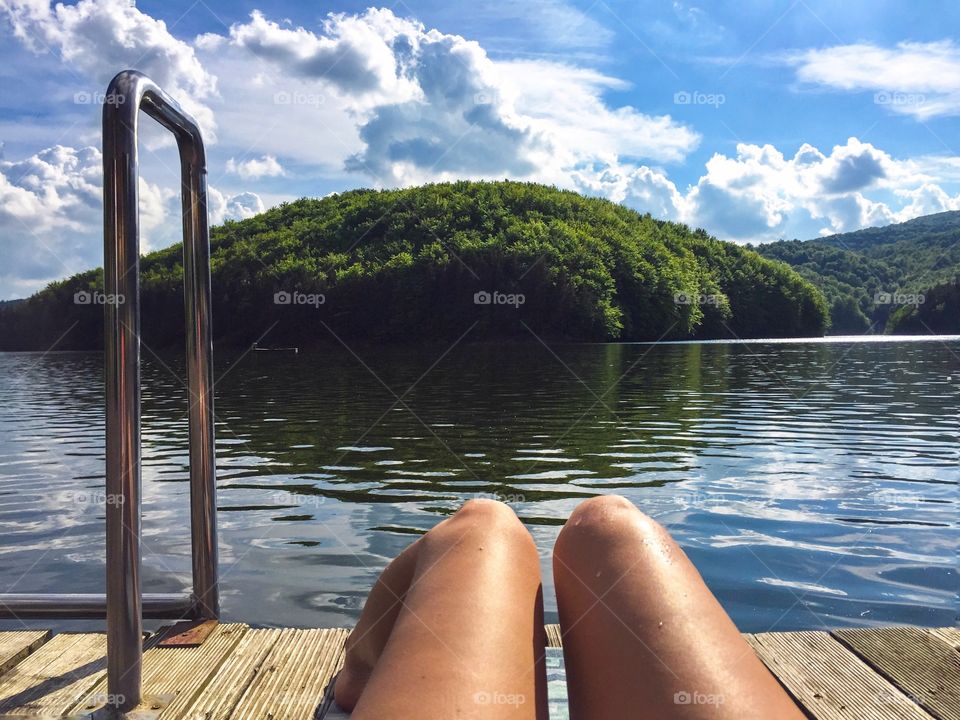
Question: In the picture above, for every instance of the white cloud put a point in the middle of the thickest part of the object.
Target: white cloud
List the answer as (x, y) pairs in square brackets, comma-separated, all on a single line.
[(926, 200), (96, 38), (373, 94), (232, 207), (423, 102), (566, 103), (48, 204), (918, 79), (157, 208), (642, 188), (51, 213), (57, 188), (266, 111), (358, 54), (432, 106), (760, 194), (255, 168), (557, 25)]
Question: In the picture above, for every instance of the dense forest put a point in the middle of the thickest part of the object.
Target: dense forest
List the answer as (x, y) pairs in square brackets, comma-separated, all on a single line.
[(939, 312), (501, 259), (889, 279)]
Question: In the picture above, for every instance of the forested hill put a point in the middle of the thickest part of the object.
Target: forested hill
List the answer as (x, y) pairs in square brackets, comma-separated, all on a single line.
[(497, 259), (880, 279)]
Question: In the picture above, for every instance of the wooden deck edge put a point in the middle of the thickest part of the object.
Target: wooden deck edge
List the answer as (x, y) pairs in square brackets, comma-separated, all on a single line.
[(884, 673), (186, 701), (11, 660), (64, 668), (919, 668), (829, 681)]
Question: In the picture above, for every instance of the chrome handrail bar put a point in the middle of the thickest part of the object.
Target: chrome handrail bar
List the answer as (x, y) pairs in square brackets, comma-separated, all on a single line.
[(131, 91), (123, 605), (56, 606)]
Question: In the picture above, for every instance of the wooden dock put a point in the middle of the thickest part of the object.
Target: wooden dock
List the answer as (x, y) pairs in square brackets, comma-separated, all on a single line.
[(901, 673)]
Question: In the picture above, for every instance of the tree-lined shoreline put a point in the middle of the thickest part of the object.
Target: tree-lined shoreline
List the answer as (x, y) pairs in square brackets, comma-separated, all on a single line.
[(432, 262), (901, 279)]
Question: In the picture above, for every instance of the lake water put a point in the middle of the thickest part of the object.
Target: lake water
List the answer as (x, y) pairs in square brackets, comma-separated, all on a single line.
[(812, 483)]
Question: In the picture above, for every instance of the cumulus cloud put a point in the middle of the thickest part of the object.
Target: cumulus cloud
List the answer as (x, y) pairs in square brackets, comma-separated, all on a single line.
[(53, 187), (46, 202), (98, 37), (566, 103), (853, 167), (359, 54), (642, 188), (423, 101), (255, 168), (157, 205), (232, 207), (51, 212), (378, 95), (926, 200), (919, 79), (760, 193), (430, 106)]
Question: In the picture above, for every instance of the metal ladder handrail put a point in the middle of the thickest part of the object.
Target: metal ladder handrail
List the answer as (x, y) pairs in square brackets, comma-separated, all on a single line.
[(123, 606)]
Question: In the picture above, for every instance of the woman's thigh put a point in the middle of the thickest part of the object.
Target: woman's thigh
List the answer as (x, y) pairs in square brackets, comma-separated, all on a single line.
[(468, 641), (643, 636)]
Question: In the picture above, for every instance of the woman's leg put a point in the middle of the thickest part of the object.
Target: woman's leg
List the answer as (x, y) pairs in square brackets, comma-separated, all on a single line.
[(369, 637), (454, 626), (643, 636)]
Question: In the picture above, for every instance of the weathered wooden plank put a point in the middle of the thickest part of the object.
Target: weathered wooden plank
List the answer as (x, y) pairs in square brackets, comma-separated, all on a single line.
[(294, 677), (870, 674), (922, 665), (55, 676), (230, 682), (172, 676), (17, 644), (830, 681), (554, 638), (951, 636)]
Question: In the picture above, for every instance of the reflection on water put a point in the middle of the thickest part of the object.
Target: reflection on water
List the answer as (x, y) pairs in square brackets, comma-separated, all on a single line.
[(812, 483)]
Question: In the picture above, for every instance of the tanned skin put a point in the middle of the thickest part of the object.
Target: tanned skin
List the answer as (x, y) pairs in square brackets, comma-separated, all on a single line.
[(453, 628)]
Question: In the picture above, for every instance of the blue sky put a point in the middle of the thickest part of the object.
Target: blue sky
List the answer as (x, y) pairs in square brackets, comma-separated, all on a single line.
[(757, 120)]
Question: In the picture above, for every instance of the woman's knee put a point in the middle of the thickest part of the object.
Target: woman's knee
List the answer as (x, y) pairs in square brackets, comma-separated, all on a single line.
[(602, 525), (606, 514), (486, 514), (485, 519)]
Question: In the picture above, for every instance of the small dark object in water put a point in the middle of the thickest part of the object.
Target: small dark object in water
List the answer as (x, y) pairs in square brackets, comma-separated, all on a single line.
[(294, 350)]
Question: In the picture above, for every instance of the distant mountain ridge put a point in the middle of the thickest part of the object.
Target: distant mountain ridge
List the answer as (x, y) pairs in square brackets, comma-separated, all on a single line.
[(925, 225), (878, 279)]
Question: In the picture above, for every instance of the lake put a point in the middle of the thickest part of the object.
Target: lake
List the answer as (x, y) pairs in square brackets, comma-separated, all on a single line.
[(813, 483)]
